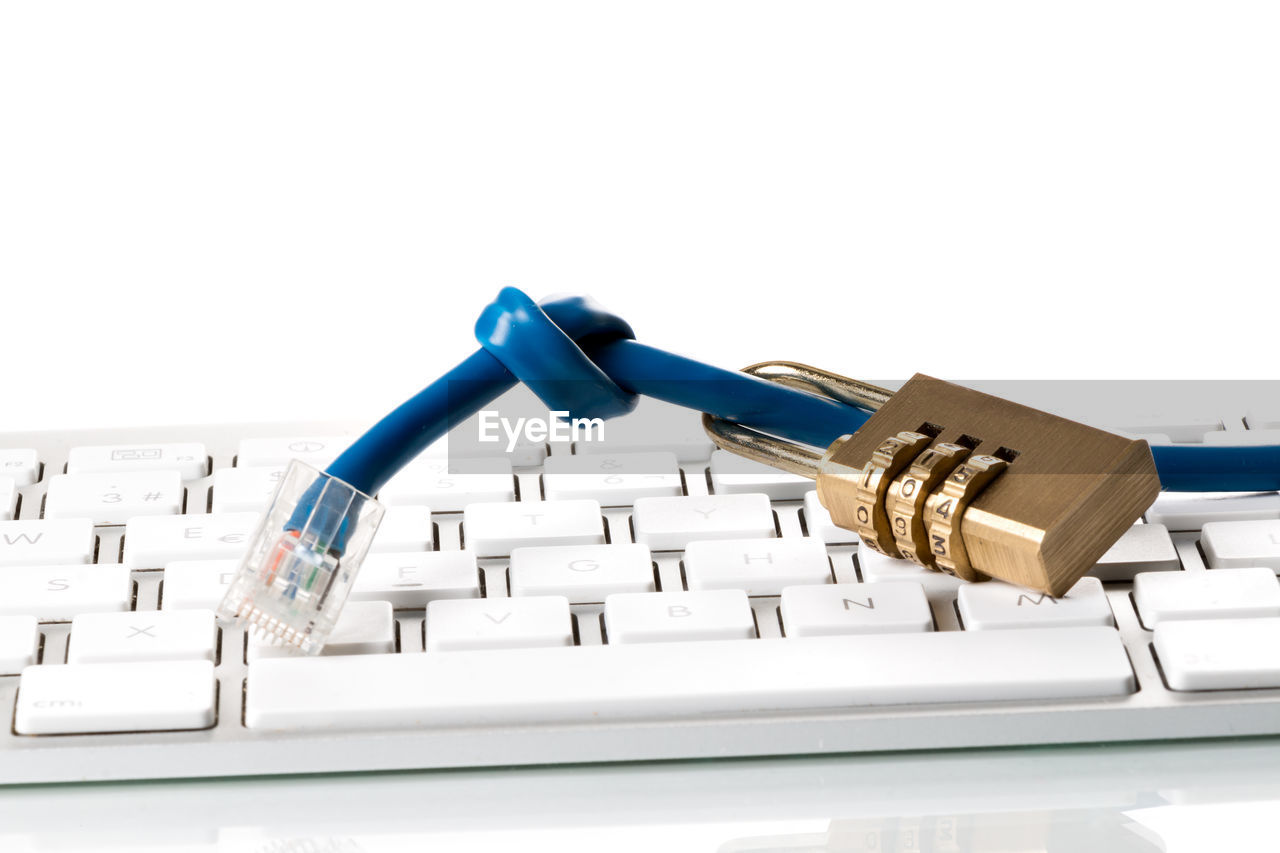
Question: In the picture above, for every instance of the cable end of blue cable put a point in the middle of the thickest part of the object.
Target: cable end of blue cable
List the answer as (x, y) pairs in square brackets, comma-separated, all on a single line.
[(302, 561)]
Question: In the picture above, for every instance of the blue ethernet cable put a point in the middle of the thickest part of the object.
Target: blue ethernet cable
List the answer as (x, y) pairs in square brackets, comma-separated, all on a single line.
[(303, 557), (581, 359)]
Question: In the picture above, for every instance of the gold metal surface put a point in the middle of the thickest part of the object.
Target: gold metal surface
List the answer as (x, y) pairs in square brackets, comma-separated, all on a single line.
[(1067, 493), (870, 521), (944, 512), (907, 496)]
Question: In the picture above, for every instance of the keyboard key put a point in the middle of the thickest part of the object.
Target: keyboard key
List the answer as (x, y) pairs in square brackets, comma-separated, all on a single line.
[(187, 458), (660, 617), (1142, 548), (114, 498), (363, 628), (613, 479), (58, 593), (756, 566), (450, 485), (152, 541), (877, 568), (1260, 418), (409, 581), (581, 573), (142, 635), (819, 525), (996, 605), (19, 643), (404, 528), (1219, 654), (493, 530), (1178, 428), (8, 498), (46, 542), (20, 463), (669, 524), (1193, 510), (1222, 594), (1245, 438), (855, 608), (116, 697), (516, 409), (463, 442), (1151, 438), (245, 489), (196, 584), (674, 680), (1241, 544), (732, 474), (498, 623), (316, 451), (654, 426)]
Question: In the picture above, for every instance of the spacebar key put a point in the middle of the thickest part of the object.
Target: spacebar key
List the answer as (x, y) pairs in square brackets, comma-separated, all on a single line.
[(664, 680)]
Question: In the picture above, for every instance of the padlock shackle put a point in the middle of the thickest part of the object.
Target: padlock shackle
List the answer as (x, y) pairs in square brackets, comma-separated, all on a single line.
[(815, 380), (1182, 467), (790, 457)]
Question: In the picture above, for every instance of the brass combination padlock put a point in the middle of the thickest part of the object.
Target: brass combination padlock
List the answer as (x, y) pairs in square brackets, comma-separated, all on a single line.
[(963, 482)]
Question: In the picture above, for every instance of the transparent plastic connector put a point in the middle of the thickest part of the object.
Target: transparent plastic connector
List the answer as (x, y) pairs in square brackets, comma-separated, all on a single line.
[(302, 560)]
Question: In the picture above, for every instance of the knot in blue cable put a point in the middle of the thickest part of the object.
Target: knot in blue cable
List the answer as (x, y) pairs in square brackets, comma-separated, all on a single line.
[(547, 348)]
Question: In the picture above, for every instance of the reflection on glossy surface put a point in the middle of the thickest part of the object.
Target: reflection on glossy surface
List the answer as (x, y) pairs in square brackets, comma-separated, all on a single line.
[(1066, 831), (1174, 796), (311, 845)]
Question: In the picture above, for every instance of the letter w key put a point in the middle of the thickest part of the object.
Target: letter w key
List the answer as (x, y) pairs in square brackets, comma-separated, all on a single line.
[(46, 542)]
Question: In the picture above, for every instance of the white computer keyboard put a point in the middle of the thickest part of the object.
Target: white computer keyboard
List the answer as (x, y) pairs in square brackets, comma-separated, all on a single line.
[(645, 600)]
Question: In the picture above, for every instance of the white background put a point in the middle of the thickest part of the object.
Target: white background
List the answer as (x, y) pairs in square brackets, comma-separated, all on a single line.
[(219, 212), (231, 211)]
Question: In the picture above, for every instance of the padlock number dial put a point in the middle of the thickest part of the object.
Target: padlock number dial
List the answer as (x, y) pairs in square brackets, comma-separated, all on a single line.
[(907, 495)]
